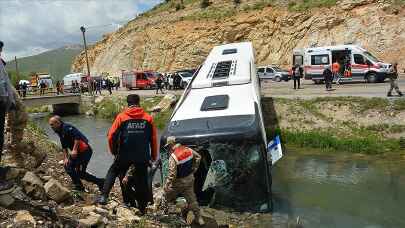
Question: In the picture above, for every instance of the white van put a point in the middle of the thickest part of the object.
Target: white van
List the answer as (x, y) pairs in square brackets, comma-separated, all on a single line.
[(68, 79), (363, 64), (220, 116)]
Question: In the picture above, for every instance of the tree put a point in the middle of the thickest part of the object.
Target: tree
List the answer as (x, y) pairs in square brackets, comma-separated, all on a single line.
[(205, 3)]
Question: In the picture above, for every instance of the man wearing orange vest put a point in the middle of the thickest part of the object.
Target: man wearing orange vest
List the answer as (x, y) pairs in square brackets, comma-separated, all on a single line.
[(336, 72), (183, 163)]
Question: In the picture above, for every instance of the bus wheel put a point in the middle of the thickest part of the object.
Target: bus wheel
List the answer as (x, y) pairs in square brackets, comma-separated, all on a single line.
[(371, 77)]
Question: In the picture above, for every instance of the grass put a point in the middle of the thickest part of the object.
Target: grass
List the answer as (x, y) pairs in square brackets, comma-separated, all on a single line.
[(328, 142), (212, 13), (41, 109), (304, 5), (258, 5), (109, 108)]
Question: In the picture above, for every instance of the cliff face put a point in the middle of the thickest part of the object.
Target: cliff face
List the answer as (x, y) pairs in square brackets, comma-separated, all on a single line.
[(172, 40)]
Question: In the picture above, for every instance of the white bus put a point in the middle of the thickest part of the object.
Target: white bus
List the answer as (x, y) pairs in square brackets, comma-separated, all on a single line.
[(219, 114), (362, 64)]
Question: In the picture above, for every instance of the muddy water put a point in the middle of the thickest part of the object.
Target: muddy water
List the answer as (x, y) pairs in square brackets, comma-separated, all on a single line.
[(334, 190)]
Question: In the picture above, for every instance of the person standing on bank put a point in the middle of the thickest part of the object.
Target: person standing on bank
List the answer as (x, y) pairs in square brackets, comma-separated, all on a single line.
[(328, 77), (297, 75), (394, 81), (7, 103), (159, 82), (132, 140), (76, 161), (183, 163), (336, 72)]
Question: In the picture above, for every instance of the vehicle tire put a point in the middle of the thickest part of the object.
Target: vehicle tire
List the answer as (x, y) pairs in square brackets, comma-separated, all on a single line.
[(316, 82), (371, 77), (147, 87), (183, 85), (277, 79)]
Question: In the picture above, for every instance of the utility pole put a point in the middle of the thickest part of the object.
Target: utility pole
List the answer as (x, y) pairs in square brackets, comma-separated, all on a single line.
[(16, 70), (90, 83)]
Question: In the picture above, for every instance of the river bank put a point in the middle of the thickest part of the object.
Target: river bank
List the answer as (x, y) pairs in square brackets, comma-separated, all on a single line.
[(330, 124)]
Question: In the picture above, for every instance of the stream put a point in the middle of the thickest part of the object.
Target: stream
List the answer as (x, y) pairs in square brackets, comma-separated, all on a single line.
[(319, 190)]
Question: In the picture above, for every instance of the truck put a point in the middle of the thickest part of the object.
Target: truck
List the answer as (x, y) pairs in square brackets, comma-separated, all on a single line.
[(37, 78), (357, 61), (138, 79)]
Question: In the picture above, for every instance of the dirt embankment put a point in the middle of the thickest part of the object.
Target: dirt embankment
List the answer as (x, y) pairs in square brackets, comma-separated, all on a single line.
[(365, 125), (165, 39)]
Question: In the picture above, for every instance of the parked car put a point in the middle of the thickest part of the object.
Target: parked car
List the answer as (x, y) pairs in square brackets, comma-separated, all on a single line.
[(186, 77), (273, 72)]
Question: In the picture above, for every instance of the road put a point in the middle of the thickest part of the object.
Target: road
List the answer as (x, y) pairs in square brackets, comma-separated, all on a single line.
[(309, 89)]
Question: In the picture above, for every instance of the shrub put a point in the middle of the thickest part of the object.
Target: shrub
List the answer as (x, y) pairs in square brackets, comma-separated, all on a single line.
[(237, 2), (205, 3)]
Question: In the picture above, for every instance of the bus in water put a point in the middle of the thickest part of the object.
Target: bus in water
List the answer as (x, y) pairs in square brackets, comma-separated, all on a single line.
[(220, 116)]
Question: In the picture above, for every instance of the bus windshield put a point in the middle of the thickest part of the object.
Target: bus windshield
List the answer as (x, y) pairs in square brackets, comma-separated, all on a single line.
[(371, 57)]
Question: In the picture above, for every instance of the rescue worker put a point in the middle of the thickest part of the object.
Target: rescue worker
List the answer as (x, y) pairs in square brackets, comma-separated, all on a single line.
[(183, 163), (76, 161), (328, 77), (17, 119), (132, 140), (159, 82), (297, 75), (7, 102), (336, 72), (394, 81)]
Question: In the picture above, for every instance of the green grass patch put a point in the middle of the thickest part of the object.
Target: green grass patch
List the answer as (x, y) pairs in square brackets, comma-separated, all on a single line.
[(258, 5), (41, 109), (109, 108), (309, 4), (326, 141), (211, 13)]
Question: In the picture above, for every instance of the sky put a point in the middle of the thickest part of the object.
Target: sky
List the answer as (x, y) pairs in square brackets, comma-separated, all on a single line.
[(29, 27)]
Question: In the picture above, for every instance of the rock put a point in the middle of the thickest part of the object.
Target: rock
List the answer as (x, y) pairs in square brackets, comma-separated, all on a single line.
[(88, 209), (90, 113), (126, 215), (6, 200), (24, 217), (101, 211), (33, 186), (14, 173), (99, 99), (112, 205), (46, 178), (56, 191), (93, 220), (60, 162)]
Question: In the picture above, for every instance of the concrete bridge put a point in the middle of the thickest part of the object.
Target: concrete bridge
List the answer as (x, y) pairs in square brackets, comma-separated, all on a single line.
[(61, 104)]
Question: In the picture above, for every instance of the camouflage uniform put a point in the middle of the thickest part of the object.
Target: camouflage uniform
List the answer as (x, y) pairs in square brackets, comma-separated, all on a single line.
[(184, 186), (16, 123)]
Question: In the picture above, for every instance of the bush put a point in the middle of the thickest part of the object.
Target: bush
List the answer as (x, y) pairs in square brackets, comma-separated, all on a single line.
[(179, 6), (237, 2), (205, 3)]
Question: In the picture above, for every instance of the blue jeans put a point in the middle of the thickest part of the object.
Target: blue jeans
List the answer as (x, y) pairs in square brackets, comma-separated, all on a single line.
[(76, 169)]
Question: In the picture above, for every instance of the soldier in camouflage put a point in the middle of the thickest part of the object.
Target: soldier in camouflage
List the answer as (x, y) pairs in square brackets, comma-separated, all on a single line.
[(16, 122), (183, 163)]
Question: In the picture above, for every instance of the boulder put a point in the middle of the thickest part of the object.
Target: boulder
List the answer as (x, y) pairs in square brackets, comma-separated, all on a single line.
[(93, 220), (46, 178), (33, 186), (14, 173), (6, 200), (56, 191), (88, 209), (24, 218), (127, 216)]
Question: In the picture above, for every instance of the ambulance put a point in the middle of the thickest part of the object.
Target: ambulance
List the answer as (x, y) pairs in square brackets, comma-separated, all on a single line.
[(356, 63)]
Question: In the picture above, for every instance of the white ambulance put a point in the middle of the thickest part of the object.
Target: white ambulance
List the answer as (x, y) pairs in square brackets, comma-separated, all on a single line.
[(361, 64)]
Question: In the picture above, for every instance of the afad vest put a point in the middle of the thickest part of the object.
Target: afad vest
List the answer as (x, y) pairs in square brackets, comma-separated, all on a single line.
[(184, 161), (135, 138)]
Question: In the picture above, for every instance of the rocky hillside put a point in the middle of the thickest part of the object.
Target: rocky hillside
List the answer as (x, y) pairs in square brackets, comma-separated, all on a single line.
[(167, 38)]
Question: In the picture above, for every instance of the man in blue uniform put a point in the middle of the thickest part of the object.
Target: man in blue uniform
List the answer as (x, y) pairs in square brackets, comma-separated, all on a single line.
[(76, 161)]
